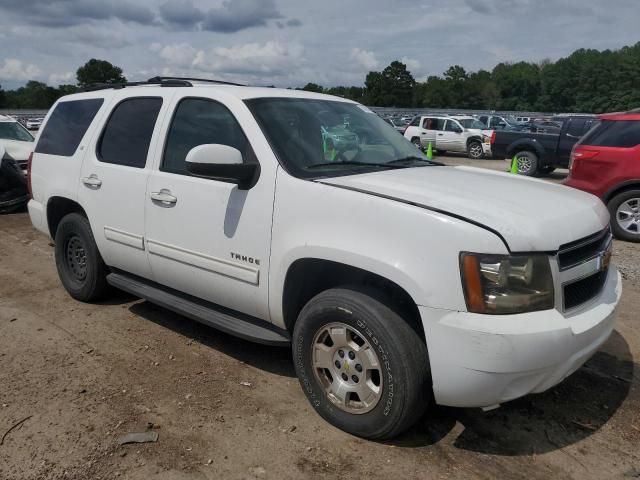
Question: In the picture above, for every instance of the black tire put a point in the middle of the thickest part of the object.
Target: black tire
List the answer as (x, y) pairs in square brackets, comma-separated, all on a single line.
[(80, 266), (547, 169), (475, 150), (416, 142), (632, 232), (527, 163), (406, 388)]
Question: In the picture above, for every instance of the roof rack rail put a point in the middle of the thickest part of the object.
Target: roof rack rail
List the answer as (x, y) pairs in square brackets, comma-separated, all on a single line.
[(191, 79), (161, 81)]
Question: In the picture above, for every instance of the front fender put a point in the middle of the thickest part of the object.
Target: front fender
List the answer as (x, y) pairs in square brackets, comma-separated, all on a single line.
[(415, 248)]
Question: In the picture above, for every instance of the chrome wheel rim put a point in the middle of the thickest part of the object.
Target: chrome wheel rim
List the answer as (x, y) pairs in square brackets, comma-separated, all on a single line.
[(347, 367), (76, 257), (475, 150), (628, 216), (524, 164)]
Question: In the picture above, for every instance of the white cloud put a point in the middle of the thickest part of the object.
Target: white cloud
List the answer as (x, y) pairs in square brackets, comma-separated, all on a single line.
[(412, 64), (266, 58), (14, 69), (364, 58), (266, 61), (66, 78), (178, 55)]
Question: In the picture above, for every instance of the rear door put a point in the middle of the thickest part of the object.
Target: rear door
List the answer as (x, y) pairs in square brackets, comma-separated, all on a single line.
[(114, 177), (428, 129), (573, 131)]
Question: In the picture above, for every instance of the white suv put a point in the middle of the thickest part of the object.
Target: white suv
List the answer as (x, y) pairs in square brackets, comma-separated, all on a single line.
[(459, 134), (395, 280)]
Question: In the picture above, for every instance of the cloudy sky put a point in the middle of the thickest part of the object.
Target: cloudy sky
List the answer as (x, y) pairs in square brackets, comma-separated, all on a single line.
[(292, 42)]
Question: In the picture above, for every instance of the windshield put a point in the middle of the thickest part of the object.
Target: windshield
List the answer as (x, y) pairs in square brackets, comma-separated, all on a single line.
[(14, 131), (511, 119), (472, 123), (328, 138)]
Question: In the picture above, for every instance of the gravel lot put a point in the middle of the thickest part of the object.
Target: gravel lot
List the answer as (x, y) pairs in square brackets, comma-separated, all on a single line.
[(81, 376)]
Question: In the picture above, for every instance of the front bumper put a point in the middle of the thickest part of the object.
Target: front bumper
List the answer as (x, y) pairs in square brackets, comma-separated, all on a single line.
[(483, 360)]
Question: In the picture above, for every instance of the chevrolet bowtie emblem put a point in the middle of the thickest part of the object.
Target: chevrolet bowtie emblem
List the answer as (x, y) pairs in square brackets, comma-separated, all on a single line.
[(346, 366)]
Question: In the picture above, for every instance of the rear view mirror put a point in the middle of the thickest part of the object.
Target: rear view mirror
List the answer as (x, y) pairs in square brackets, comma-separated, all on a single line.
[(222, 163)]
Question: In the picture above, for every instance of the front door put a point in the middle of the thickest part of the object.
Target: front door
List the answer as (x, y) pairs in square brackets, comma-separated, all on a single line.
[(205, 237), (114, 179), (451, 137)]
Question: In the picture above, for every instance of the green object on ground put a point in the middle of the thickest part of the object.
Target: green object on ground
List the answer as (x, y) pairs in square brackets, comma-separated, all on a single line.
[(514, 165), (430, 151)]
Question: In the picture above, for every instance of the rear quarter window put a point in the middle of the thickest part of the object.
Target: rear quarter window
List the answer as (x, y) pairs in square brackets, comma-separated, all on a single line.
[(66, 126), (614, 133)]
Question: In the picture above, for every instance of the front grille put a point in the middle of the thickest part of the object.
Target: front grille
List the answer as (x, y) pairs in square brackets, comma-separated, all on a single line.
[(583, 290), (580, 251)]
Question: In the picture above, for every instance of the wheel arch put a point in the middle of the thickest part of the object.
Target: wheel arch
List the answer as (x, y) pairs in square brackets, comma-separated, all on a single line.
[(525, 146), (57, 208), (475, 138), (620, 188), (307, 277)]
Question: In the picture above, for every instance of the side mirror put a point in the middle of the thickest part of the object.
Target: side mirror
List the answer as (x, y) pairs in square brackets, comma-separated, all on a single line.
[(222, 163)]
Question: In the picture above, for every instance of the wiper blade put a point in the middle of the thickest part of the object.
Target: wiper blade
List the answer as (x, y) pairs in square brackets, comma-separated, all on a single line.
[(414, 159), (351, 163)]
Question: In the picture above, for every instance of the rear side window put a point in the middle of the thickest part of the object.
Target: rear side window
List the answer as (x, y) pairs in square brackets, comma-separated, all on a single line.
[(612, 133), (66, 126), (576, 127), (452, 126), (127, 135), (199, 121)]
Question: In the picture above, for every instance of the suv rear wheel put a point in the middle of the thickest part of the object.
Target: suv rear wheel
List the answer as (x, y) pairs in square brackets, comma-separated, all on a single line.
[(362, 367), (80, 266), (527, 163), (624, 209)]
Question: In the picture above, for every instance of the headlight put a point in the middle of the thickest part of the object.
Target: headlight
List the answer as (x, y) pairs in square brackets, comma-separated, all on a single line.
[(501, 284)]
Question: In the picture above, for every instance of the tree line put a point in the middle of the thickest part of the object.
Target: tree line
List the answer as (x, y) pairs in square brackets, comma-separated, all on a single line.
[(39, 95), (589, 81)]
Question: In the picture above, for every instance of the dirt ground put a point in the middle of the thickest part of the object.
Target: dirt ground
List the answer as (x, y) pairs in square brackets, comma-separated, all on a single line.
[(80, 376)]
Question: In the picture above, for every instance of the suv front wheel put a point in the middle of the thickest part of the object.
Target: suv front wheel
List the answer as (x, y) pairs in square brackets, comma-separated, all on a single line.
[(362, 367), (475, 150), (80, 266), (624, 209)]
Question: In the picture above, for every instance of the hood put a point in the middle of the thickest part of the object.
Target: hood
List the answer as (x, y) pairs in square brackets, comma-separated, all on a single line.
[(530, 214), (16, 149)]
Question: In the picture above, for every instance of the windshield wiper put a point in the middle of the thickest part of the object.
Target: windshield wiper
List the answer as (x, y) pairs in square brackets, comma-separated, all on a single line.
[(413, 159), (348, 162)]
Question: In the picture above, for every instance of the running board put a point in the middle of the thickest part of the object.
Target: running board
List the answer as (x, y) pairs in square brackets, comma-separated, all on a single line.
[(220, 318)]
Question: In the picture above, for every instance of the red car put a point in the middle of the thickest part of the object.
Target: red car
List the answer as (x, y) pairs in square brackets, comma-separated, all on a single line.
[(606, 163)]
